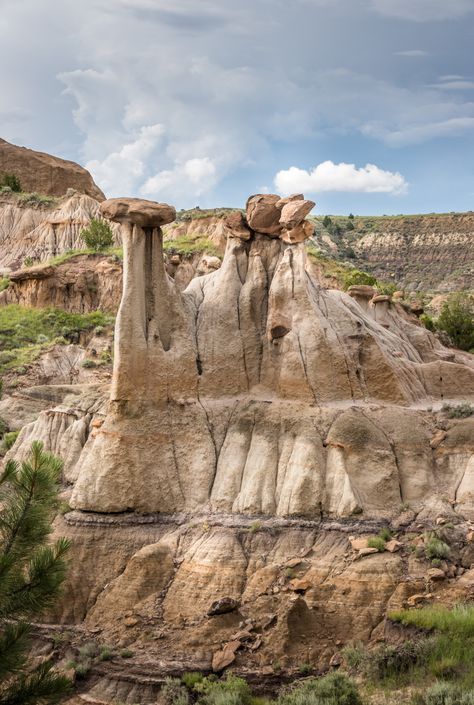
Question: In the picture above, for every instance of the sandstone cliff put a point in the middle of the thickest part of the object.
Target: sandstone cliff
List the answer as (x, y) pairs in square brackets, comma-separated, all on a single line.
[(45, 174)]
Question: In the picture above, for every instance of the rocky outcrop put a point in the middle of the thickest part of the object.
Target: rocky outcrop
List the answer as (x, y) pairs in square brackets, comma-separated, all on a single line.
[(80, 284), (45, 174), (265, 432), (40, 232), (257, 426)]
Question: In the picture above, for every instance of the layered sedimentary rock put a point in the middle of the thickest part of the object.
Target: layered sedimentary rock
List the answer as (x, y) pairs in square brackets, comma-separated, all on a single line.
[(255, 421), (80, 284), (251, 391), (41, 172), (40, 232)]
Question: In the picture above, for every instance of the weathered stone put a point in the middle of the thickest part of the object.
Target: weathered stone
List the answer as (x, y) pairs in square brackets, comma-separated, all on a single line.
[(222, 606), (438, 438), (362, 290), (294, 213), (263, 214), (436, 574), (237, 225), (146, 214), (299, 233), (367, 551), (393, 545), (359, 544), (300, 584)]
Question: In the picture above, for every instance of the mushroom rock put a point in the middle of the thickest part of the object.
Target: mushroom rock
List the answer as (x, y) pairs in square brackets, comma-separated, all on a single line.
[(223, 393), (298, 233), (362, 293), (294, 212), (263, 214), (137, 211)]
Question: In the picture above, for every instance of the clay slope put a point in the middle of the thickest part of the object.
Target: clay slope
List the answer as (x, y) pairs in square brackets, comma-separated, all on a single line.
[(45, 174), (40, 232), (432, 252)]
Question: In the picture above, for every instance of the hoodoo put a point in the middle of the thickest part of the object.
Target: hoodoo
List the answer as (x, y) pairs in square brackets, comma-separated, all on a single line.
[(256, 391), (254, 421)]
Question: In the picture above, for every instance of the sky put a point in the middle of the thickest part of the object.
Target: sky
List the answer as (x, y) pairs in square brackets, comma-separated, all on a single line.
[(365, 106)]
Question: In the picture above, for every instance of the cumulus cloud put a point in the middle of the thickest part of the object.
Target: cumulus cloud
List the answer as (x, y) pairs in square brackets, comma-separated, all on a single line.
[(328, 176), (119, 172), (197, 176), (423, 10)]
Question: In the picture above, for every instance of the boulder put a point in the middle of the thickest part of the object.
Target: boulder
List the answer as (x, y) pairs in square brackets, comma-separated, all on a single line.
[(146, 214), (235, 222), (222, 606), (263, 214), (299, 233), (293, 213)]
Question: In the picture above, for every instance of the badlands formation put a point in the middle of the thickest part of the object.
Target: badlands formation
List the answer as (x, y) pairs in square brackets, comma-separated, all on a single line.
[(257, 429)]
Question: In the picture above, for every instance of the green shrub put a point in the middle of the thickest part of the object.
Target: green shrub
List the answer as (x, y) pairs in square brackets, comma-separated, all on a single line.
[(89, 363), (105, 653), (126, 653), (448, 694), (4, 283), (376, 542), (9, 439), (428, 322), (333, 689), (89, 650), (191, 678), (356, 277), (460, 411), (435, 548), (355, 656), (457, 320), (32, 199), (173, 692), (98, 236), (28, 262), (231, 691), (385, 533), (11, 181)]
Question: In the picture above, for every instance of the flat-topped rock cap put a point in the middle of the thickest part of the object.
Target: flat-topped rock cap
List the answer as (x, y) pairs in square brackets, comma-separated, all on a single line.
[(363, 290), (138, 211)]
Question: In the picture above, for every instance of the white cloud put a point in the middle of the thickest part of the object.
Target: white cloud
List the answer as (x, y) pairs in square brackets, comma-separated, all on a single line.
[(328, 176), (412, 52), (118, 173), (423, 10), (195, 176)]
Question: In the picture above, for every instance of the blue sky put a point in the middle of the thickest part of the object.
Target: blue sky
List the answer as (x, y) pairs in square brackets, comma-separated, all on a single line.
[(365, 105)]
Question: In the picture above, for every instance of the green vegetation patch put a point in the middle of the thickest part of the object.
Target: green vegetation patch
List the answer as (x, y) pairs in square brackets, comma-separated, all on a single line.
[(187, 245), (24, 331)]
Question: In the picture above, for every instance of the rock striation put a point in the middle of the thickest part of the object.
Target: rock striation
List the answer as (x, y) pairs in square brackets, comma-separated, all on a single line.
[(45, 174), (259, 429), (251, 391)]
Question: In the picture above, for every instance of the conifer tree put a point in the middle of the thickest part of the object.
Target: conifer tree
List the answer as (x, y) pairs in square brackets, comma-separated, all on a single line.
[(31, 572)]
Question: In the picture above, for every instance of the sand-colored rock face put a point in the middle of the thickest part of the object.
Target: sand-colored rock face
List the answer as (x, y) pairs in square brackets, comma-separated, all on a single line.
[(42, 232), (255, 422), (250, 391), (44, 173)]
